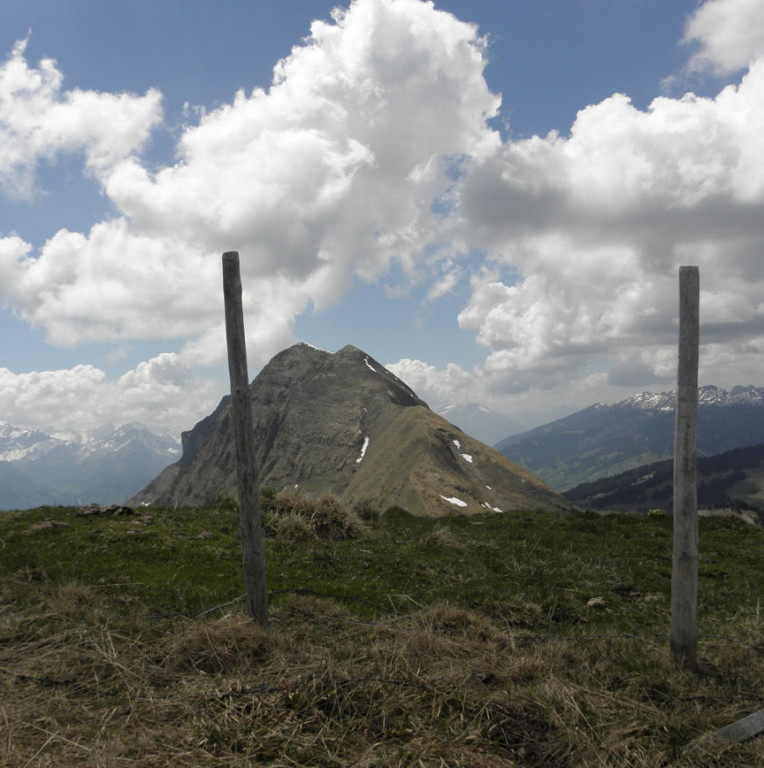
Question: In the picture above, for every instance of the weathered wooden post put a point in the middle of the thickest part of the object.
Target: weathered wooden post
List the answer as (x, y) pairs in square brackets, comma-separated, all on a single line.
[(252, 547), (684, 573)]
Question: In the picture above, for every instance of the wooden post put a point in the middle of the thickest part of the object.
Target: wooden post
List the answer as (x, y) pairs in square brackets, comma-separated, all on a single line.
[(684, 573), (739, 731), (252, 547)]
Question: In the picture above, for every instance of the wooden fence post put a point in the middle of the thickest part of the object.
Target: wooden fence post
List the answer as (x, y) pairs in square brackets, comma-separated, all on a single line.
[(684, 573), (252, 547)]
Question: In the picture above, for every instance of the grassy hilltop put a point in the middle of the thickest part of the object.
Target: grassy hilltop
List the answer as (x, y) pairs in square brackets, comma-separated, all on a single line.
[(522, 639)]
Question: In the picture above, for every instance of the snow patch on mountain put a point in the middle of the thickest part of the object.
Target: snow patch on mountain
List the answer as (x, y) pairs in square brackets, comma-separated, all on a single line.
[(363, 450), (313, 346)]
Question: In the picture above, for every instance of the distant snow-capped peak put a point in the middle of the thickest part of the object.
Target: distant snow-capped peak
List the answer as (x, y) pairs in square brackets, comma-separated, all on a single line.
[(20, 445), (708, 395)]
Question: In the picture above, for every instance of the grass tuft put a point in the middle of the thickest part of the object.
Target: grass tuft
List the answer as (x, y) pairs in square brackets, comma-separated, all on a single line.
[(230, 643), (296, 517), (441, 536)]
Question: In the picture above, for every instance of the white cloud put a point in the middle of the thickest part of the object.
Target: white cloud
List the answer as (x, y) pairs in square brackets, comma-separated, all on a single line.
[(729, 35), (161, 392), (435, 385), (38, 121), (112, 284), (597, 225), (328, 175)]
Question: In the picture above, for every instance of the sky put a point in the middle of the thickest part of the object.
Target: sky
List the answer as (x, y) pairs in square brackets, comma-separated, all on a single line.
[(490, 197)]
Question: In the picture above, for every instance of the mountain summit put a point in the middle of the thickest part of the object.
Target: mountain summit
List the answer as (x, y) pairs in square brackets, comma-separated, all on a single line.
[(342, 423)]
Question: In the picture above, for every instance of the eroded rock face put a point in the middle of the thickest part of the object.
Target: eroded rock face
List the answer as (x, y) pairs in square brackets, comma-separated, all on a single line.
[(342, 423)]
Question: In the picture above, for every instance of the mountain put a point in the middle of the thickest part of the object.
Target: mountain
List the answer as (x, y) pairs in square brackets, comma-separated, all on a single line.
[(104, 466), (342, 423), (604, 440), (734, 479), (480, 422)]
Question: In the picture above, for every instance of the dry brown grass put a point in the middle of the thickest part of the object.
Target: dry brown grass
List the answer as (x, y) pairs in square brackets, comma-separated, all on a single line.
[(441, 687), (440, 536), (296, 517)]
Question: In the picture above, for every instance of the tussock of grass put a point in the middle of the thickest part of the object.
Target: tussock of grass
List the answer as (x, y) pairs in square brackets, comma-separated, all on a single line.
[(440, 536), (218, 647), (296, 517), (72, 599), (292, 527)]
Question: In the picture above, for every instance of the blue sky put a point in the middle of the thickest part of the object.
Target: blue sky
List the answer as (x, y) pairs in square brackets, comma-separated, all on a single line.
[(496, 209)]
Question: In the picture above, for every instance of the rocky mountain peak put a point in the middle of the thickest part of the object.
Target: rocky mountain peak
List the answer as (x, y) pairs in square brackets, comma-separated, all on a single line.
[(342, 423)]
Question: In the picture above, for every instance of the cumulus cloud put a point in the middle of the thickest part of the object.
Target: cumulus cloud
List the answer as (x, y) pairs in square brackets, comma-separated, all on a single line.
[(729, 35), (328, 175), (333, 170), (38, 121), (110, 284), (436, 385), (599, 222), (162, 392), (584, 234)]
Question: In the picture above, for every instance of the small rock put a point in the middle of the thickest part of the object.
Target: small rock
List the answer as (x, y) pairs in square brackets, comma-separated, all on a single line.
[(46, 525), (90, 510), (113, 509), (596, 602), (120, 509)]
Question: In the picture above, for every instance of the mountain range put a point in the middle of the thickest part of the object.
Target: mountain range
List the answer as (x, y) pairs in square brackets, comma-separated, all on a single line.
[(105, 466), (341, 423), (604, 440)]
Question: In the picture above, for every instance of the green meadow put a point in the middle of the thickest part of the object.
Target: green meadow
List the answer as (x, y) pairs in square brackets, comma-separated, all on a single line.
[(517, 639)]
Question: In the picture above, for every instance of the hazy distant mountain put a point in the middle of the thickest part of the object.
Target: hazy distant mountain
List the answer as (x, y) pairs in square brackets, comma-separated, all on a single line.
[(342, 423), (604, 440), (734, 479), (480, 422), (104, 466)]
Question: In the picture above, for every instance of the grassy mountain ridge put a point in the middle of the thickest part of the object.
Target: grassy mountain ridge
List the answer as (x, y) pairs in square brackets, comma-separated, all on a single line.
[(732, 479)]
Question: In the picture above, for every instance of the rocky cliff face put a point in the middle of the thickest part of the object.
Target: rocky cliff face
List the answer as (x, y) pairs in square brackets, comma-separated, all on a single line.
[(342, 423)]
